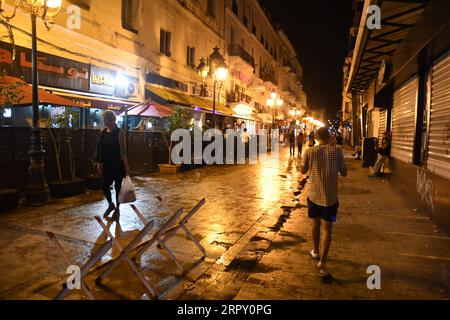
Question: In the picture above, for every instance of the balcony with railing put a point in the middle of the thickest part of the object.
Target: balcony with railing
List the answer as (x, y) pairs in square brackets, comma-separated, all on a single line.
[(237, 50), (268, 76), (236, 97)]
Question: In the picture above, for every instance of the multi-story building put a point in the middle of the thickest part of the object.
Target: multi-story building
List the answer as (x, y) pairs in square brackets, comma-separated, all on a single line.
[(398, 81), (127, 51)]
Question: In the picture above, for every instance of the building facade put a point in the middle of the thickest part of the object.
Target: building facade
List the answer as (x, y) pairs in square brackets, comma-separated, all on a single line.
[(117, 53), (398, 80)]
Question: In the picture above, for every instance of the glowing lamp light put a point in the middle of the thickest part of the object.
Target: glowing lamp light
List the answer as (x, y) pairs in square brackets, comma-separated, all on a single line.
[(203, 69), (292, 113), (121, 80), (221, 74), (53, 4), (47, 8), (242, 110), (273, 95), (7, 113), (280, 102), (271, 103)]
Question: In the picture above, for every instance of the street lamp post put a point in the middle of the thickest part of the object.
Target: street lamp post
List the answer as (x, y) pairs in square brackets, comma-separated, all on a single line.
[(218, 69), (37, 192), (273, 102), (296, 115)]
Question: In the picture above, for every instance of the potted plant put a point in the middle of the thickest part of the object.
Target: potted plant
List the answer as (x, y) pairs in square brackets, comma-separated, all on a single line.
[(9, 95), (62, 137), (175, 121)]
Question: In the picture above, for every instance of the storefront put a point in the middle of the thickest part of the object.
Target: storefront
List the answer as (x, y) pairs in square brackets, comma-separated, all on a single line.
[(92, 87), (410, 87)]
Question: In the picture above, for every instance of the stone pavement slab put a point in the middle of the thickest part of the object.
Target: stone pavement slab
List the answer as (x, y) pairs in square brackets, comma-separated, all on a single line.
[(255, 229)]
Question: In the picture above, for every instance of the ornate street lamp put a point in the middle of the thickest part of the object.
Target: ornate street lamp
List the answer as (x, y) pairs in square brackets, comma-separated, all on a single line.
[(203, 71), (218, 69), (37, 192), (274, 101)]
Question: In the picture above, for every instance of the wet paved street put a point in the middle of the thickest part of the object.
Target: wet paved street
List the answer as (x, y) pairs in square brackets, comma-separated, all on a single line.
[(256, 234)]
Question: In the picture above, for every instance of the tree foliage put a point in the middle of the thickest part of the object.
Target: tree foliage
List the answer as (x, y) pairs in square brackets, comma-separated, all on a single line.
[(63, 121)]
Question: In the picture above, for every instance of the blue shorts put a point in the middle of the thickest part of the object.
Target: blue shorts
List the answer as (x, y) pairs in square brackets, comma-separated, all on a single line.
[(325, 213)]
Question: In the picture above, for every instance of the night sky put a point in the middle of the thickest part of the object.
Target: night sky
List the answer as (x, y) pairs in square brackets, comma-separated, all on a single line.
[(319, 32)]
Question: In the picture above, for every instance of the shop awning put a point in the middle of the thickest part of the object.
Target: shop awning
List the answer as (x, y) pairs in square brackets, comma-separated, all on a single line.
[(375, 47), (93, 101), (149, 109), (175, 97), (25, 92)]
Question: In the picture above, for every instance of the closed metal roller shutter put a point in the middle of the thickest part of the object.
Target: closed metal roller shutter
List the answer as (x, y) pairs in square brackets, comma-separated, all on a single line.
[(382, 124), (404, 121), (438, 145)]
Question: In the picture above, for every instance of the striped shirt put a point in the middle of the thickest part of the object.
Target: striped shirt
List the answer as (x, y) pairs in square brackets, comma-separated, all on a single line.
[(323, 163)]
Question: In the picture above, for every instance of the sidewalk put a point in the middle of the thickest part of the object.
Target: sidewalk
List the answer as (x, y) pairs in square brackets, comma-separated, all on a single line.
[(376, 226), (257, 237)]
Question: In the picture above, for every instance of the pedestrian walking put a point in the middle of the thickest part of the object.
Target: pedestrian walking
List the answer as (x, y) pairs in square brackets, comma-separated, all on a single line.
[(339, 140), (292, 143), (300, 138), (323, 163), (113, 161), (312, 139)]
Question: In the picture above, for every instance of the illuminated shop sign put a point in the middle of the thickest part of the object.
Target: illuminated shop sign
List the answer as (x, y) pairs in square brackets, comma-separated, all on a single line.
[(113, 83), (103, 80), (68, 74), (54, 71)]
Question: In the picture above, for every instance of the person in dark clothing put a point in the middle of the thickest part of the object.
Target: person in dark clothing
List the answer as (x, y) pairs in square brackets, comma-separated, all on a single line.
[(292, 143), (383, 154), (339, 140), (300, 138), (312, 139), (113, 160)]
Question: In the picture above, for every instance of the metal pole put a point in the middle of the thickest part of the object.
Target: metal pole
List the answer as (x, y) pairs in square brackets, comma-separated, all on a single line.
[(214, 105), (34, 74), (37, 192)]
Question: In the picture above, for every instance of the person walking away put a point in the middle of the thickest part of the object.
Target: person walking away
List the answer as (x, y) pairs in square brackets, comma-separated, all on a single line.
[(312, 139), (292, 143), (383, 154), (113, 160), (323, 163), (300, 138), (339, 140)]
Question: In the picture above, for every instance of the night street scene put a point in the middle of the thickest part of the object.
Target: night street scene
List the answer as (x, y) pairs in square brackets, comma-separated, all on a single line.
[(246, 151)]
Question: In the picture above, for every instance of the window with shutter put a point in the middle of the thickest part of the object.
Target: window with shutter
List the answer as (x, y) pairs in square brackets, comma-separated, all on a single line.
[(439, 134), (404, 121), (165, 42), (130, 15)]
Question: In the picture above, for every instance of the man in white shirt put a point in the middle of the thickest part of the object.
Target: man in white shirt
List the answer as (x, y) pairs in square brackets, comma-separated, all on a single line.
[(323, 163), (245, 139), (245, 136)]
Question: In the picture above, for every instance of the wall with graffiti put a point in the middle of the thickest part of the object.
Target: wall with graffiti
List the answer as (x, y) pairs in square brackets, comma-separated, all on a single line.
[(426, 190)]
